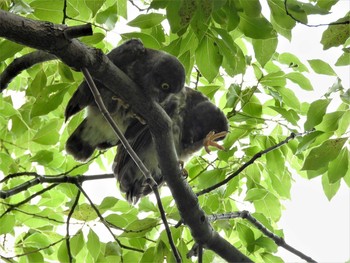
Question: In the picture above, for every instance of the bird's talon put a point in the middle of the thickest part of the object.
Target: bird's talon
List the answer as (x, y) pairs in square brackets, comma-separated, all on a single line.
[(139, 118), (183, 170), (210, 140), (122, 103)]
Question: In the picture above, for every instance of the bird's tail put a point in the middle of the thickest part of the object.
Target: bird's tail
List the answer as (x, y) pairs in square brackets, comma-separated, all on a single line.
[(77, 146)]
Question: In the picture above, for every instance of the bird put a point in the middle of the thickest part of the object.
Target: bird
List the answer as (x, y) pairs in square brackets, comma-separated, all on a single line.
[(196, 123), (157, 73)]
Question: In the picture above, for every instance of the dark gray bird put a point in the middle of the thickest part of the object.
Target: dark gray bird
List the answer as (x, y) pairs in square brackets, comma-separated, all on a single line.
[(196, 123), (156, 73)]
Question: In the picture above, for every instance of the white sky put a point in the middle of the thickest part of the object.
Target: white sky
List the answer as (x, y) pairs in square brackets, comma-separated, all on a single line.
[(311, 223)]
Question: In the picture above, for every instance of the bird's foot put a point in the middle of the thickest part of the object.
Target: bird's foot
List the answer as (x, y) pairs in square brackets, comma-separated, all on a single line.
[(210, 140), (139, 118), (182, 168), (121, 102)]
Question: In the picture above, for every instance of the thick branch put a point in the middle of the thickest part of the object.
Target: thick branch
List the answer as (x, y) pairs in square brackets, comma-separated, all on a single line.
[(47, 36), (22, 63)]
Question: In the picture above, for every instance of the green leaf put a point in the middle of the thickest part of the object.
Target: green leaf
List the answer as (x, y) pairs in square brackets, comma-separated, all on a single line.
[(266, 243), (326, 4), (208, 58), (37, 85), (48, 10), (264, 49), (267, 257), (179, 15), (256, 27), (146, 20), (48, 135), (289, 98), (117, 220), (42, 157), (330, 121), (289, 115), (300, 79), (307, 140), (37, 240), (321, 67), (9, 49), (93, 244), (146, 39), (329, 189), (94, 39), (94, 5), (274, 79), (343, 60), (292, 61), (336, 35), (7, 223), (107, 203), (255, 194), (281, 22), (320, 156), (77, 242), (62, 253), (297, 11), (315, 113), (210, 177), (228, 49), (49, 99), (246, 235), (139, 228), (201, 18), (84, 212), (338, 167), (108, 17), (251, 8), (112, 248), (265, 202)]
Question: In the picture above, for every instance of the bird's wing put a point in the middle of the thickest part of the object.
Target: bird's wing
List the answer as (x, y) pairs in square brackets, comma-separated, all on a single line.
[(122, 57)]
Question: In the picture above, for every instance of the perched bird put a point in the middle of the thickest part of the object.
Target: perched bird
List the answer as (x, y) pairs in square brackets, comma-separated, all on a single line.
[(156, 73), (197, 122)]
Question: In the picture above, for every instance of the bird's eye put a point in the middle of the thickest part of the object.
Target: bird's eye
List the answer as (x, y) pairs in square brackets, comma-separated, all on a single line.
[(165, 86)]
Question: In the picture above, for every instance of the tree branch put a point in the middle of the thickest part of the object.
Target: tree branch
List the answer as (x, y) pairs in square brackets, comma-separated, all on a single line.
[(49, 37), (251, 161), (278, 240)]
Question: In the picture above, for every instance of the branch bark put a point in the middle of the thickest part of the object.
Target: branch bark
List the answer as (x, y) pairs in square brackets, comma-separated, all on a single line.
[(51, 38)]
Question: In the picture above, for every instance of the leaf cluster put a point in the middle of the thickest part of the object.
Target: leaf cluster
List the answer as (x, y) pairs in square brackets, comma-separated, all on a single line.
[(229, 51)]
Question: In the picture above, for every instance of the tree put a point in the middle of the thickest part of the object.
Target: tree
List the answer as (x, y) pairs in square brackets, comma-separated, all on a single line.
[(272, 133)]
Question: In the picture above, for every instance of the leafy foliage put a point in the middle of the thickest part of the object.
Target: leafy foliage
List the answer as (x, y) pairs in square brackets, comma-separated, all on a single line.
[(216, 41)]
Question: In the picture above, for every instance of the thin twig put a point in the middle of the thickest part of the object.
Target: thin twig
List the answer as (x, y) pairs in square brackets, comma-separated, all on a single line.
[(105, 222), (12, 206), (33, 251), (317, 25), (40, 179), (67, 226), (251, 161), (149, 179)]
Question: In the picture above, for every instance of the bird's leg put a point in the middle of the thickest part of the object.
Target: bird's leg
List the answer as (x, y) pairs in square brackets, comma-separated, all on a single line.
[(182, 168), (210, 140)]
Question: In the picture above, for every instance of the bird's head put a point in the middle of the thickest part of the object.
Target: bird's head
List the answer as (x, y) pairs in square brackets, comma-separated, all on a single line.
[(166, 75), (201, 118)]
